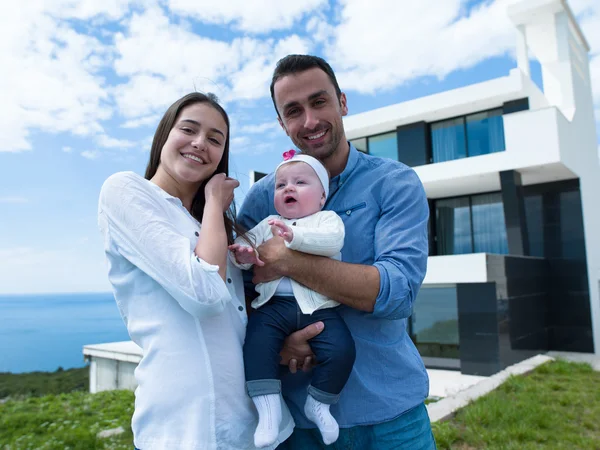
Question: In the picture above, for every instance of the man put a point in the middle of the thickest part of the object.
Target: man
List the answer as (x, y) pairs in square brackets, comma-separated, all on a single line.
[(385, 212)]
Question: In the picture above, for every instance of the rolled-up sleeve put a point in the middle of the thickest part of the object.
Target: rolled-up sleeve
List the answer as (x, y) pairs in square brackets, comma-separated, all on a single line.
[(401, 244), (141, 232)]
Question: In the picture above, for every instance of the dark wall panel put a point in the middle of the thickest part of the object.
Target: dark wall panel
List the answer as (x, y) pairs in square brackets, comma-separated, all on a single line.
[(478, 328), (414, 144)]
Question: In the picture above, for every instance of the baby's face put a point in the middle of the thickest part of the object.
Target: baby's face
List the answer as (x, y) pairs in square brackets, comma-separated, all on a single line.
[(298, 191)]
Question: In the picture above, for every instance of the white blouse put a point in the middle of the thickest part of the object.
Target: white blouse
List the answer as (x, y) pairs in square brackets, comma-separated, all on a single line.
[(189, 323)]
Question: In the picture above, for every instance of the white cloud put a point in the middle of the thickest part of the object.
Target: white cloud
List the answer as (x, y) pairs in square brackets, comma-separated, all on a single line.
[(408, 41), (110, 142), (53, 83), (67, 149), (235, 71), (239, 141), (142, 121), (257, 16), (90, 154), (14, 200), (261, 128)]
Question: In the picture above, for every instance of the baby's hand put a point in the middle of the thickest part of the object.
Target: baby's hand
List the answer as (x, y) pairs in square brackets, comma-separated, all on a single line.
[(281, 229), (245, 255)]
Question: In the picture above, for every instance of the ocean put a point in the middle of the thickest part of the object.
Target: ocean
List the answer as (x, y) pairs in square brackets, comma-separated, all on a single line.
[(48, 331)]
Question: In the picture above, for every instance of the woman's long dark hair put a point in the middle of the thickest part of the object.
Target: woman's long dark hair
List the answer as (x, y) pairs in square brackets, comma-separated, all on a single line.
[(160, 137)]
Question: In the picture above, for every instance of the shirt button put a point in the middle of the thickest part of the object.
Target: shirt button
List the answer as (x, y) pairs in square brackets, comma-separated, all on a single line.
[(241, 308), (294, 223), (348, 212), (196, 233), (229, 280)]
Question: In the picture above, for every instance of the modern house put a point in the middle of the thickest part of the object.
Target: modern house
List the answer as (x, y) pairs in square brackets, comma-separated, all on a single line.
[(513, 181)]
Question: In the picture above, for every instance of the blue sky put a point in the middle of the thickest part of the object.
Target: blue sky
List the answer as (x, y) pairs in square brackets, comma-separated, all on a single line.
[(84, 84)]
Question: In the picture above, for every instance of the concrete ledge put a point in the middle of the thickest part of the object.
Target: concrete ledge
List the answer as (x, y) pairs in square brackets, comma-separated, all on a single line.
[(446, 407), (119, 351)]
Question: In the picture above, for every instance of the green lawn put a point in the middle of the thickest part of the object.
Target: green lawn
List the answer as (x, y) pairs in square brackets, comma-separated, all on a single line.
[(557, 406), (37, 384), (67, 421)]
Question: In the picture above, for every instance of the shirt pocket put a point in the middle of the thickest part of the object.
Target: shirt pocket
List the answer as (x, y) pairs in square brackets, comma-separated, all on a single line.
[(351, 210)]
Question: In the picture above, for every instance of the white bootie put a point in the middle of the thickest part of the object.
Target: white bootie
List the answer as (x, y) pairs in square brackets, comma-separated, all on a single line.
[(269, 419), (318, 413)]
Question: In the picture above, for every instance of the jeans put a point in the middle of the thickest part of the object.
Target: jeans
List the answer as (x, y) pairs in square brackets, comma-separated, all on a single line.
[(268, 327), (411, 431)]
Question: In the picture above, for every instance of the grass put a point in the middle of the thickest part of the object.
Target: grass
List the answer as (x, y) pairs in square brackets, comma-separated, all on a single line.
[(556, 406), (67, 421), (43, 383)]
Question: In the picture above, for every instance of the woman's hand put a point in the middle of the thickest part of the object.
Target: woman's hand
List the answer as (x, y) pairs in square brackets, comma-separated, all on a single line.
[(220, 188)]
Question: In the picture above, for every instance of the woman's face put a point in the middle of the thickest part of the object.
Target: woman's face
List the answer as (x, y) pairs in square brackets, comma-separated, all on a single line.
[(195, 144)]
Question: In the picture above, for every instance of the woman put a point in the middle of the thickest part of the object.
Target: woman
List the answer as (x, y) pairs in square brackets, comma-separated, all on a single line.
[(165, 238)]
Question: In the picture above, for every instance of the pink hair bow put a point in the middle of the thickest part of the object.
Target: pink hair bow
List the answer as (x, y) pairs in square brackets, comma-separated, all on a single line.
[(289, 154)]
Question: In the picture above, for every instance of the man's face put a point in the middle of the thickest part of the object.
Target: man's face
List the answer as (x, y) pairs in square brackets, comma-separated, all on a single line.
[(310, 112)]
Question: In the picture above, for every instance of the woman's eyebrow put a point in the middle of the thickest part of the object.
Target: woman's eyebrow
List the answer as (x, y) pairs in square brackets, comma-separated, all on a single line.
[(216, 130)]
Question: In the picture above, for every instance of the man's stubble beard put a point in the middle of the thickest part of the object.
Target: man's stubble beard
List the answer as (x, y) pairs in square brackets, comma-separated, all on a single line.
[(323, 153)]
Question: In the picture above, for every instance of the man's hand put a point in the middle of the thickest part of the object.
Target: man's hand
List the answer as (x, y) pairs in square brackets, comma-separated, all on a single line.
[(245, 255), (296, 352), (274, 254), (279, 228)]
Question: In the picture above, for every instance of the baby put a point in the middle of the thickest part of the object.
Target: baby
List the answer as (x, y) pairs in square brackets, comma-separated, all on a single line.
[(284, 305)]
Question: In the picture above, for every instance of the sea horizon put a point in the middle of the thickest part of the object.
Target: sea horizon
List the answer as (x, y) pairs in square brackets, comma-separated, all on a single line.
[(44, 332)]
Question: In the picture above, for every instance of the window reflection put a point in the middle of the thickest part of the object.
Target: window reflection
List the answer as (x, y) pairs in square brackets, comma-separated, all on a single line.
[(434, 322), (485, 133), (384, 145), (360, 144), (448, 140), (489, 228), (472, 224), (472, 135), (453, 225)]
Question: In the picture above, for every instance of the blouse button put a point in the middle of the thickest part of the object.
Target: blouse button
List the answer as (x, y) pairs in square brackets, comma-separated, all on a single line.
[(196, 233), (241, 308), (348, 212), (229, 280)]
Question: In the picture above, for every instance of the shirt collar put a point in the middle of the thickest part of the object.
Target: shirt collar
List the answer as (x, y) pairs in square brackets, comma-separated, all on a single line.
[(350, 166), (164, 194)]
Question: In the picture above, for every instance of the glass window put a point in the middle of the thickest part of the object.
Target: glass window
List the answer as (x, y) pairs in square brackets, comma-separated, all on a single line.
[(384, 145), (448, 140), (571, 225), (485, 133), (534, 217), (434, 322), (453, 226), (489, 229), (360, 144)]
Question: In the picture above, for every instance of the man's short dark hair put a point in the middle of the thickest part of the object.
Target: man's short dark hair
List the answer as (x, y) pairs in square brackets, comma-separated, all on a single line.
[(292, 64)]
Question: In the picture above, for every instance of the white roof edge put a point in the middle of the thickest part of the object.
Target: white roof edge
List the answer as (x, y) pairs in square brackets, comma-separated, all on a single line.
[(438, 106), (522, 12)]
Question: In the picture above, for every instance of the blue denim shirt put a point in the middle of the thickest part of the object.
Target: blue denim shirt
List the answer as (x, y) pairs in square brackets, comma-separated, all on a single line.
[(385, 212)]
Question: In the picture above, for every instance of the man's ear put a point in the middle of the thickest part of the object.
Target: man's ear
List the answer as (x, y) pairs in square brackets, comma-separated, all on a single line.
[(343, 104), (282, 125)]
